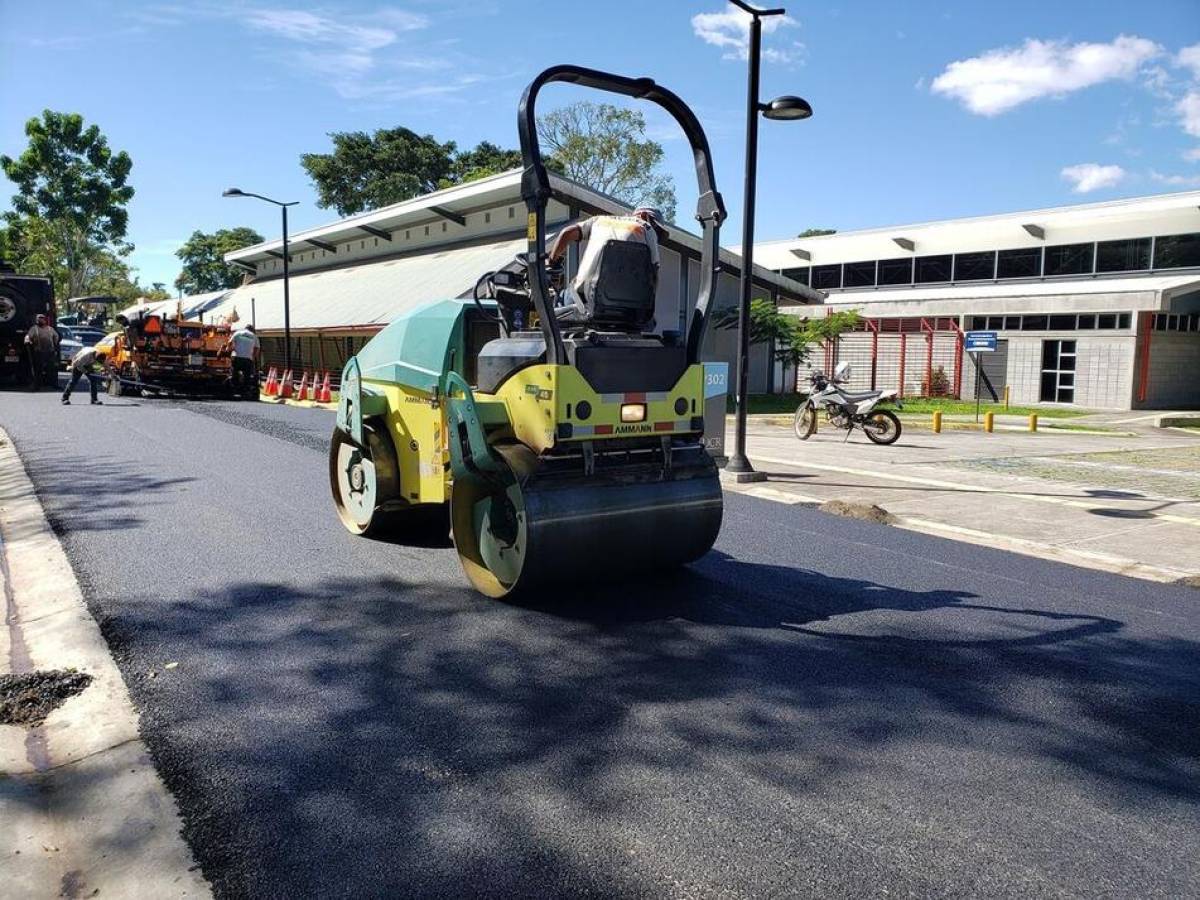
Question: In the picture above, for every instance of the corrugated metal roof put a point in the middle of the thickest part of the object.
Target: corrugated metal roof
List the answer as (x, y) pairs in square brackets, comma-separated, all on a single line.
[(366, 295)]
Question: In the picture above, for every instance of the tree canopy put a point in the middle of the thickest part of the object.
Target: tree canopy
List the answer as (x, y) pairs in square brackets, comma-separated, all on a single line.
[(69, 216), (816, 232), (203, 257), (367, 171), (791, 335), (605, 148)]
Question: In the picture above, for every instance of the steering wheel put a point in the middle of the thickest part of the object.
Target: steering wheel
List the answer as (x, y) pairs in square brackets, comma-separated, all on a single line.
[(489, 293)]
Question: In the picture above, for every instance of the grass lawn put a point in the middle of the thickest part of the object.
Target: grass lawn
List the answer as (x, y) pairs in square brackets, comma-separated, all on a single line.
[(787, 403)]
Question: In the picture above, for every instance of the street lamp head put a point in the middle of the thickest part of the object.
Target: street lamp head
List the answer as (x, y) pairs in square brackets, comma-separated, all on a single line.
[(786, 108), (232, 192)]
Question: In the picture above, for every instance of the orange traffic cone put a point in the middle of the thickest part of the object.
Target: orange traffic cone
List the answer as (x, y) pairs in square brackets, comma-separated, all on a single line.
[(324, 392), (302, 391), (285, 387), (272, 386)]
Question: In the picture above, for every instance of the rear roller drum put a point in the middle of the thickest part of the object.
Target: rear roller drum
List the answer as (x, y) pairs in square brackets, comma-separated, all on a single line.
[(522, 526), (363, 480)]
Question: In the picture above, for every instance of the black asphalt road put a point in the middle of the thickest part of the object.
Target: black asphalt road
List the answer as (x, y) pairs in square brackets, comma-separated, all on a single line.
[(820, 707)]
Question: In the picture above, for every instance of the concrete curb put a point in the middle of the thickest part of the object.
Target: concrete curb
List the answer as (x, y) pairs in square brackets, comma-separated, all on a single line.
[(84, 811)]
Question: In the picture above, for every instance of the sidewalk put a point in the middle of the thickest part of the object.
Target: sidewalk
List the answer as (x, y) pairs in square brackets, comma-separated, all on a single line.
[(1128, 504), (83, 810)]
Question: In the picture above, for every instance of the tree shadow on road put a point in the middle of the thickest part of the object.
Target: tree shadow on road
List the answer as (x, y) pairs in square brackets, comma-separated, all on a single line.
[(393, 733)]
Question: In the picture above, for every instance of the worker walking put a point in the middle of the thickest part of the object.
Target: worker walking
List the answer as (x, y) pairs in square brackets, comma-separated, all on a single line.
[(82, 364), (246, 349), (42, 341)]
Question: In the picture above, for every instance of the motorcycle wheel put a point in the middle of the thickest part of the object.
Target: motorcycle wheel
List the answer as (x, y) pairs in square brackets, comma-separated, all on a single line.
[(805, 423), (882, 427)]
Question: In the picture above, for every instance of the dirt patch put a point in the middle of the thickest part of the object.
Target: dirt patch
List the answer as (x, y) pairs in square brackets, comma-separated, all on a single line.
[(867, 512), (27, 699), (1192, 581)]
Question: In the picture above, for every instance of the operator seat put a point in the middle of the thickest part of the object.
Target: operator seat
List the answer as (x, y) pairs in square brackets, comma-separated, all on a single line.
[(622, 296)]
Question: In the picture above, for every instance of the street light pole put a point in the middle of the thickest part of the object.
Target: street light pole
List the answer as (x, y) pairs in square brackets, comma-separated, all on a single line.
[(780, 108), (287, 302)]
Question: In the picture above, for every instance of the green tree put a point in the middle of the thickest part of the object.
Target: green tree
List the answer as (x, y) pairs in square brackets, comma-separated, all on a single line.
[(605, 148), (483, 160), (816, 232), (72, 192), (203, 258), (792, 336)]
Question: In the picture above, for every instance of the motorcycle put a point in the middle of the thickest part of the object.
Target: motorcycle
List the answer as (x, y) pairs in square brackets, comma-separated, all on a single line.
[(846, 410)]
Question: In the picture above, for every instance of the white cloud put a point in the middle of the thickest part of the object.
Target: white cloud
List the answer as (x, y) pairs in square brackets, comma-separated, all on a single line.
[(1189, 58), (730, 30), (1087, 177), (1002, 79), (1192, 155), (1186, 181), (1189, 112)]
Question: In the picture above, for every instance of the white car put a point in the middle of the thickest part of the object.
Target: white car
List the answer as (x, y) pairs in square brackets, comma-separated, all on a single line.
[(67, 346)]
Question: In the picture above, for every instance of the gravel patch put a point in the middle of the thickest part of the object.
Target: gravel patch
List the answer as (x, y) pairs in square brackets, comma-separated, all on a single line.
[(27, 699)]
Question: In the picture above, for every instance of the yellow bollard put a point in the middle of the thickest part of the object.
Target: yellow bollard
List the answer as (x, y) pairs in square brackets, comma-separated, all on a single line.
[(1007, 390), (937, 421), (989, 421), (1033, 421)]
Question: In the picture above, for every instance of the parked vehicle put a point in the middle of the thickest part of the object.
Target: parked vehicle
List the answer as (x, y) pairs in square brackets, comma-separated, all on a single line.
[(68, 345), (845, 409), (22, 299)]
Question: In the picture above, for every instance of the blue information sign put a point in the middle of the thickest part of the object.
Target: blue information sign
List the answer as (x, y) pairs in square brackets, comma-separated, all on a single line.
[(980, 341)]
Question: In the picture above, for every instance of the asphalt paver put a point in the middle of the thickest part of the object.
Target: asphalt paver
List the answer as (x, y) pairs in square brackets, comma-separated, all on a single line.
[(819, 707)]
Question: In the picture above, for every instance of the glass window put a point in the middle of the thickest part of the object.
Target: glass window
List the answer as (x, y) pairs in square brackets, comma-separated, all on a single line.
[(800, 274), (974, 266), (1123, 321), (1108, 320), (1069, 259), (932, 269), (1024, 263), (859, 274), (896, 271), (1062, 323), (1123, 256), (1034, 323), (825, 278), (1087, 320), (978, 323), (995, 323), (1174, 251), (1058, 372), (1012, 323)]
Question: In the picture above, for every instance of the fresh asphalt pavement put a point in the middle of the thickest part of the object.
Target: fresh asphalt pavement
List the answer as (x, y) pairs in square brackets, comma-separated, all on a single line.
[(818, 707)]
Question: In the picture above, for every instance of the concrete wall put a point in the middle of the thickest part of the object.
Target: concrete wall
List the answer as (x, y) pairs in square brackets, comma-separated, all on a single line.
[(1103, 368), (1174, 381)]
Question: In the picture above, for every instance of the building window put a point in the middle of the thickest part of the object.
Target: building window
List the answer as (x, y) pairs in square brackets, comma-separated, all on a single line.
[(1034, 323), (825, 278), (859, 274), (800, 274), (896, 271), (1058, 371), (1087, 320), (974, 266), (930, 269), (1123, 256), (1177, 251), (1062, 323), (1070, 259), (1024, 263)]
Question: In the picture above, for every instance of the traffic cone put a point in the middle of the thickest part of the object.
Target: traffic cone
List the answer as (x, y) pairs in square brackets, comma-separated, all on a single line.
[(324, 392), (272, 385), (285, 387), (302, 391)]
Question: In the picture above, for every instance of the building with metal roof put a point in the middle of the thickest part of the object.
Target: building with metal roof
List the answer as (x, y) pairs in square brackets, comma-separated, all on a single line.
[(1096, 305), (351, 277)]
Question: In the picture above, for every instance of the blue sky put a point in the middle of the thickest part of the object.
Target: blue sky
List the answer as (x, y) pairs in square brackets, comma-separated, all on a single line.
[(922, 109)]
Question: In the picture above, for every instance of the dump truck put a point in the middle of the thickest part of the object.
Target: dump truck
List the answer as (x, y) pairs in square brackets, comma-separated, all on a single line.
[(564, 448), (159, 352), (22, 298)]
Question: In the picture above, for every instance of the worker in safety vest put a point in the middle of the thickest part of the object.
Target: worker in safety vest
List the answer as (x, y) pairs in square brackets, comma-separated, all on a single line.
[(644, 226)]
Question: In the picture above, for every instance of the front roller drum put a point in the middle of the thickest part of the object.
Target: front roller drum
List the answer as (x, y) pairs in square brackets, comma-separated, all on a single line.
[(521, 526), (364, 480)]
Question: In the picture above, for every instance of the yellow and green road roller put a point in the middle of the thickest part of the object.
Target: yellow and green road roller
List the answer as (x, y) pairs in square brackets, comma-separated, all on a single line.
[(566, 447)]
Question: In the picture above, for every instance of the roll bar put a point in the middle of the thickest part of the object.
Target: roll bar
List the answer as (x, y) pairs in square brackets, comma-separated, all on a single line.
[(535, 190)]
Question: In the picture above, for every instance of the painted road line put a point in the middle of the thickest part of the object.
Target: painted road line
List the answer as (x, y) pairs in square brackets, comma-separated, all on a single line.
[(969, 488), (84, 811)]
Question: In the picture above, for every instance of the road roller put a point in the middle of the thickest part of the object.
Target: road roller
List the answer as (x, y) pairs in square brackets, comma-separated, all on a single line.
[(566, 447)]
